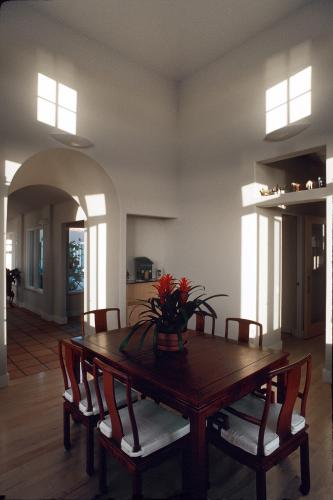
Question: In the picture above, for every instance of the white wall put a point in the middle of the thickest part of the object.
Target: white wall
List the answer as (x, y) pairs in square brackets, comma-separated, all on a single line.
[(146, 237), (222, 127)]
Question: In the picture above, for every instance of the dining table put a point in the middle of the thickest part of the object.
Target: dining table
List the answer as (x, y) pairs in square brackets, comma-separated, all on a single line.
[(210, 373)]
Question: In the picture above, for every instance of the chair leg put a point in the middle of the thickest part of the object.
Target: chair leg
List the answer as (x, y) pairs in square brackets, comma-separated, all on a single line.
[(137, 485), (261, 485), (305, 467), (67, 429), (90, 449), (102, 470)]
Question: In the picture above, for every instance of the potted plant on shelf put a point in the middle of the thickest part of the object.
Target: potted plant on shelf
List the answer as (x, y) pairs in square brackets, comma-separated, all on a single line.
[(168, 313)]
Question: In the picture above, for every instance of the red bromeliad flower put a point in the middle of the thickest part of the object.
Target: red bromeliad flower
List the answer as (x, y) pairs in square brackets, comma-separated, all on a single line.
[(184, 288), (165, 286)]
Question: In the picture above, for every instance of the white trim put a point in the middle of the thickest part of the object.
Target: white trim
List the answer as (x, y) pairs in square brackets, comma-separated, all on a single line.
[(4, 380)]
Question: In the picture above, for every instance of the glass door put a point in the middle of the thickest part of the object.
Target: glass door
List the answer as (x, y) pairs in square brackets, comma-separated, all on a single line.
[(315, 276)]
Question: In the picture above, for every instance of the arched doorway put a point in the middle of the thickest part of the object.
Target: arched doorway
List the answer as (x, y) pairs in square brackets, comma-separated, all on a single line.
[(86, 182)]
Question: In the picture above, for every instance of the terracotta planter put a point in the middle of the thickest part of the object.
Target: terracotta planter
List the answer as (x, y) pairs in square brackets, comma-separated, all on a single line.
[(169, 341)]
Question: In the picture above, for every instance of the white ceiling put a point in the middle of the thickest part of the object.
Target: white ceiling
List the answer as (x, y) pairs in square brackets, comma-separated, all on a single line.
[(174, 37), (33, 198)]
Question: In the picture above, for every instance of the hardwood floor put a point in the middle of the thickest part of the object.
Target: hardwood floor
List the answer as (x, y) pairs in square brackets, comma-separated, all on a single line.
[(34, 465)]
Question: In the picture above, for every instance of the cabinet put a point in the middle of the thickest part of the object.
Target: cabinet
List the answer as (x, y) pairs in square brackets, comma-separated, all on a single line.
[(135, 292)]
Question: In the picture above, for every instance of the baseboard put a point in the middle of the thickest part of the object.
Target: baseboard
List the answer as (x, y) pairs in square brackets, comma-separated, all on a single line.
[(4, 380), (327, 376), (61, 320)]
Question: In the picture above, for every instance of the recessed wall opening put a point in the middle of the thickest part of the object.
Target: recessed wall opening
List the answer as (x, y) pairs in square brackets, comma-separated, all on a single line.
[(298, 185)]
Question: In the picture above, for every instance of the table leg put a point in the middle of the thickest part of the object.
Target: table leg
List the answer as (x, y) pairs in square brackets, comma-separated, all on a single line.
[(198, 462)]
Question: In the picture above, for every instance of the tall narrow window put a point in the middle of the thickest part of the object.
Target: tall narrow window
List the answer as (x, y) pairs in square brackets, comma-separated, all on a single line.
[(75, 259), (288, 101), (56, 104), (35, 258)]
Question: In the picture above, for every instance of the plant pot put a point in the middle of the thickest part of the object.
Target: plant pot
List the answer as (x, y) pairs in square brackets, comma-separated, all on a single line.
[(170, 342)]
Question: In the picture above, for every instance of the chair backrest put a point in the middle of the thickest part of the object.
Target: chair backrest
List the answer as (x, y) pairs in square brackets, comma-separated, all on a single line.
[(100, 316), (110, 374), (200, 317), (293, 388), (291, 375), (73, 365), (243, 329)]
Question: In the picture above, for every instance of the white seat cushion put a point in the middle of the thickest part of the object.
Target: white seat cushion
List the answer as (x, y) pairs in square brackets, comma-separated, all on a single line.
[(245, 435), (120, 391), (157, 427)]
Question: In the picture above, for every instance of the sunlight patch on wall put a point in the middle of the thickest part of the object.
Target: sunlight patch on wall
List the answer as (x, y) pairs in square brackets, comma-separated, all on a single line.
[(263, 272), (277, 273), (289, 100), (249, 266), (329, 243), (56, 104), (11, 167), (92, 270), (101, 265), (95, 205), (251, 193)]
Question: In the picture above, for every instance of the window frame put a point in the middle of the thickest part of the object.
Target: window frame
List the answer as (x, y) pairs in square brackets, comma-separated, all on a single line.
[(36, 257)]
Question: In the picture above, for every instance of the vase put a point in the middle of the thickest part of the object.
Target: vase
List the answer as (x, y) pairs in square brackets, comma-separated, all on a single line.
[(170, 341)]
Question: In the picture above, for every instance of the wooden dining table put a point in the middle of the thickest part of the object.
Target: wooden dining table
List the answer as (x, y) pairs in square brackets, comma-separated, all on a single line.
[(210, 373)]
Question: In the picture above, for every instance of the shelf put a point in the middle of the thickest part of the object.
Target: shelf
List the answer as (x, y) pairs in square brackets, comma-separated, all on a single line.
[(295, 198)]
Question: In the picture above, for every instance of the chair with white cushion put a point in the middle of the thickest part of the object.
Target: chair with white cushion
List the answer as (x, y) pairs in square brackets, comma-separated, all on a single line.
[(138, 436), (80, 399), (260, 433)]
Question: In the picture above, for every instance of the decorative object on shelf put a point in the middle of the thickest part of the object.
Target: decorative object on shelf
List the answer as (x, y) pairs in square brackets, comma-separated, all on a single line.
[(13, 276), (277, 190), (143, 268), (168, 313), (320, 182), (309, 184), (295, 186)]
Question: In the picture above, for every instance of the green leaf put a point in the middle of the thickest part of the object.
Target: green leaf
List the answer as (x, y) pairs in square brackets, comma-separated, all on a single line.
[(130, 334)]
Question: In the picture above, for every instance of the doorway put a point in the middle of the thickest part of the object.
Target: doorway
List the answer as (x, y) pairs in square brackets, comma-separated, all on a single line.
[(303, 308)]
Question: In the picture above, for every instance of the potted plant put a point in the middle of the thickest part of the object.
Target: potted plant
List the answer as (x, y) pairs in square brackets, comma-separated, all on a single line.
[(168, 313)]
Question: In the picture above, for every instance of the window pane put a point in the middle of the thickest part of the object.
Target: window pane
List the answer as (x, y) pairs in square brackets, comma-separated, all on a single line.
[(40, 258), (31, 257), (300, 107), (277, 118), (300, 83), (46, 112), (67, 97), (46, 88), (66, 120), (75, 259), (276, 95)]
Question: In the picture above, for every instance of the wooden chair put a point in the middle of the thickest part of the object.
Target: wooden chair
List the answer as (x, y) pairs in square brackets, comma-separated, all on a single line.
[(200, 317), (100, 316), (80, 399), (243, 329), (259, 433), (138, 436)]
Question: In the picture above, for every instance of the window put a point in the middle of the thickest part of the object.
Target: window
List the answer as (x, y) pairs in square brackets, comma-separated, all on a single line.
[(35, 258), (56, 104), (75, 258), (288, 101)]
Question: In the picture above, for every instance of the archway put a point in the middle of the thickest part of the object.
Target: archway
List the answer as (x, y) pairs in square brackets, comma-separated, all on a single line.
[(92, 189)]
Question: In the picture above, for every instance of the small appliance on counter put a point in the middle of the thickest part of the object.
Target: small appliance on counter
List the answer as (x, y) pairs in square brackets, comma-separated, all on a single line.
[(143, 268)]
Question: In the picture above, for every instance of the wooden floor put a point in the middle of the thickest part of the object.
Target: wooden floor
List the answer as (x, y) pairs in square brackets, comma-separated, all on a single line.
[(34, 465)]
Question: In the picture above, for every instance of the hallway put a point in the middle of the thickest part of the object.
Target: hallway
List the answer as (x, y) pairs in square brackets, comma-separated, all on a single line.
[(33, 342)]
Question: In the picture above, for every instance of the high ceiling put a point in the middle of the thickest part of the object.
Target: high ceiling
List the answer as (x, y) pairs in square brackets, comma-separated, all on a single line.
[(173, 37)]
